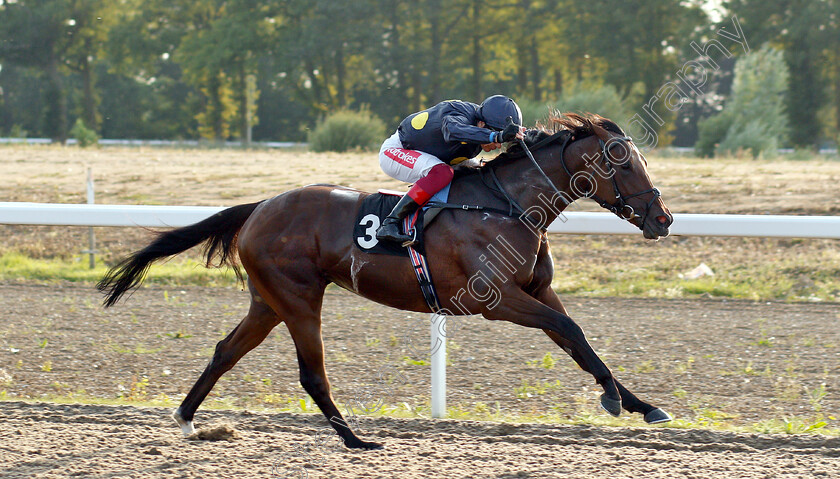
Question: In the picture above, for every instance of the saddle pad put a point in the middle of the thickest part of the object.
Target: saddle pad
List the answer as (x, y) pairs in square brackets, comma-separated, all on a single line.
[(370, 215)]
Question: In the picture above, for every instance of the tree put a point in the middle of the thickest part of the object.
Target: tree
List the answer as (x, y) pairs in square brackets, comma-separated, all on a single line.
[(809, 36), (146, 85), (754, 118), (216, 43), (41, 31), (51, 38), (91, 20), (219, 53)]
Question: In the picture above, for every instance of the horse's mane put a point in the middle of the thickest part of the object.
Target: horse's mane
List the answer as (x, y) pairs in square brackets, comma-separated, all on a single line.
[(577, 125)]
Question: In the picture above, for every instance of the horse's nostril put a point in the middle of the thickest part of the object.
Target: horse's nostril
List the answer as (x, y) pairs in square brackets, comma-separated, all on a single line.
[(662, 219)]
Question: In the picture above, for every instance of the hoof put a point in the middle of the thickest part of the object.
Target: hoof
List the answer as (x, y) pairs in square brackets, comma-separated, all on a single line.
[(186, 426), (657, 416), (612, 406), (368, 446)]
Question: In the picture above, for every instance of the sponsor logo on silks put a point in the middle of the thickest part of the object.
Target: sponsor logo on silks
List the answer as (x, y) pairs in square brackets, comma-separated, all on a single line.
[(403, 157)]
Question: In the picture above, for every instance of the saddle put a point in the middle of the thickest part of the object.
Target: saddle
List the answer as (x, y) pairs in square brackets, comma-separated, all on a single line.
[(376, 207)]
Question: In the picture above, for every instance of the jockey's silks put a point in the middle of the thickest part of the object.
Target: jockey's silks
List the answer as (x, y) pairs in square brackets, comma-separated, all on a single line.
[(439, 176), (447, 130)]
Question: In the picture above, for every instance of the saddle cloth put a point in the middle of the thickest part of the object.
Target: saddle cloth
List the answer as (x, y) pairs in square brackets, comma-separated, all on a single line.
[(375, 208)]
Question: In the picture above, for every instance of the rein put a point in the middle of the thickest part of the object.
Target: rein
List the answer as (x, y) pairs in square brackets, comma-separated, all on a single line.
[(498, 188)]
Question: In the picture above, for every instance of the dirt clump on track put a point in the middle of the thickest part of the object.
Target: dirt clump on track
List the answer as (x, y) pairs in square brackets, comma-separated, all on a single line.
[(51, 440)]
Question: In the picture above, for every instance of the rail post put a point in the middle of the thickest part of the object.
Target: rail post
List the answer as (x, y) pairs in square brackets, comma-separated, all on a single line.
[(438, 361)]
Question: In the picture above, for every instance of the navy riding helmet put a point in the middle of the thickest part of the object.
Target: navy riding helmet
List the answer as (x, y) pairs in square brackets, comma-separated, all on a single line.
[(495, 110)]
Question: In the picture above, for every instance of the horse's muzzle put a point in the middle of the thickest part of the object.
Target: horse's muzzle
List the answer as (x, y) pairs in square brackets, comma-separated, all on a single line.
[(657, 227)]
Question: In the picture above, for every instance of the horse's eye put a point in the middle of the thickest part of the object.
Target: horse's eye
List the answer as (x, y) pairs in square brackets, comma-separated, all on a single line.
[(618, 150), (619, 154)]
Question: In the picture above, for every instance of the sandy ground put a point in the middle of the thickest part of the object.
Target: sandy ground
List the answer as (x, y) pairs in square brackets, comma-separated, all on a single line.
[(56, 441), (724, 362), (213, 177)]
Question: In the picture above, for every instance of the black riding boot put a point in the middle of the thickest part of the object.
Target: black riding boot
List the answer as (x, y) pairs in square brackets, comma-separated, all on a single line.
[(390, 229)]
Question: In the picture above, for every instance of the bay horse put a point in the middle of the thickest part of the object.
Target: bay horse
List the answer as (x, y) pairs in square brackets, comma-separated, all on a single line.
[(295, 244)]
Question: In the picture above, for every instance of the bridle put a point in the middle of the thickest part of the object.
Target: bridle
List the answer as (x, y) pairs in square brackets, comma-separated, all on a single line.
[(618, 208)]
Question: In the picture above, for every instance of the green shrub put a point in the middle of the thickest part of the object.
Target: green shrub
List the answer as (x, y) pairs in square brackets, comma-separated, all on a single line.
[(17, 131), (347, 130), (752, 137), (84, 135), (533, 111), (803, 154), (605, 101), (710, 132)]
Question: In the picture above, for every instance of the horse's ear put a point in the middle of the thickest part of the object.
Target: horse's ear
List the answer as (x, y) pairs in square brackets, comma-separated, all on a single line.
[(600, 131)]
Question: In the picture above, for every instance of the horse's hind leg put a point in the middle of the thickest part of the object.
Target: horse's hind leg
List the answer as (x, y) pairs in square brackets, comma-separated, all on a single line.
[(296, 293), (250, 332)]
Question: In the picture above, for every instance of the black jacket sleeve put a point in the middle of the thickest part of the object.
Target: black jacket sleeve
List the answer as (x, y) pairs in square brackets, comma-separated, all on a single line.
[(458, 128)]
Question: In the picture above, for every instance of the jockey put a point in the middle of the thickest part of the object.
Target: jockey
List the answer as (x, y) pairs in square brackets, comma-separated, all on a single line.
[(428, 142)]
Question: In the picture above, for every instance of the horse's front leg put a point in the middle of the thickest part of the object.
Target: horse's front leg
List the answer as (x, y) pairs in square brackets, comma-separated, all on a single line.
[(520, 308), (629, 400)]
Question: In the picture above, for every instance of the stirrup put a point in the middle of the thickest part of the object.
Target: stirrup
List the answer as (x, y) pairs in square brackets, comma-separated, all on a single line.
[(413, 239)]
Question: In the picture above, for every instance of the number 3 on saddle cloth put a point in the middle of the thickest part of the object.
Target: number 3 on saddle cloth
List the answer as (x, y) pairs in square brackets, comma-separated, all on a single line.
[(374, 209)]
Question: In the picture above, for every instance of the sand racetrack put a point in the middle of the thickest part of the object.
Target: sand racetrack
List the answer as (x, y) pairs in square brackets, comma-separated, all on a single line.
[(166, 336), (50, 440)]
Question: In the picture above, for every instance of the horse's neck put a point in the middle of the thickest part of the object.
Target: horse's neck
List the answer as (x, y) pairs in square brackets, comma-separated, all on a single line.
[(472, 189), (529, 188)]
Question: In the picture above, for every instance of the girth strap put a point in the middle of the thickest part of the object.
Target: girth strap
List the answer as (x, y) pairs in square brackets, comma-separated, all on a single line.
[(421, 267), (424, 278)]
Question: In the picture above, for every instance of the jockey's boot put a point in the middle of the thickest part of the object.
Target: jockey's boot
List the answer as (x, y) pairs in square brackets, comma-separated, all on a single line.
[(390, 229)]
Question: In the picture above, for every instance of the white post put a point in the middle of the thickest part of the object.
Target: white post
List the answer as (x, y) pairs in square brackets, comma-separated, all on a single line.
[(438, 360), (91, 238)]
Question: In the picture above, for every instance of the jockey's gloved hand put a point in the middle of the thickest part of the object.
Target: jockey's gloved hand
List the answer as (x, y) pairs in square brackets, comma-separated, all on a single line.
[(509, 133)]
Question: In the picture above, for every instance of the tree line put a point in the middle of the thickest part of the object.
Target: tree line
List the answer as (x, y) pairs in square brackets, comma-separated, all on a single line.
[(218, 69)]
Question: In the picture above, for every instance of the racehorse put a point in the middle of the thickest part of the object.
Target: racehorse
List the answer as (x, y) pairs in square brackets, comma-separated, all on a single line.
[(295, 244)]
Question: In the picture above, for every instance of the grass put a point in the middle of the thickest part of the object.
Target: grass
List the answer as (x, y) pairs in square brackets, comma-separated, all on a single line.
[(793, 277), (744, 268), (138, 349), (547, 362), (539, 388), (15, 266)]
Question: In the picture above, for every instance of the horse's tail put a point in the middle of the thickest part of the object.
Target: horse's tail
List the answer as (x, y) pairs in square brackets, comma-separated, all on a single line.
[(218, 232)]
